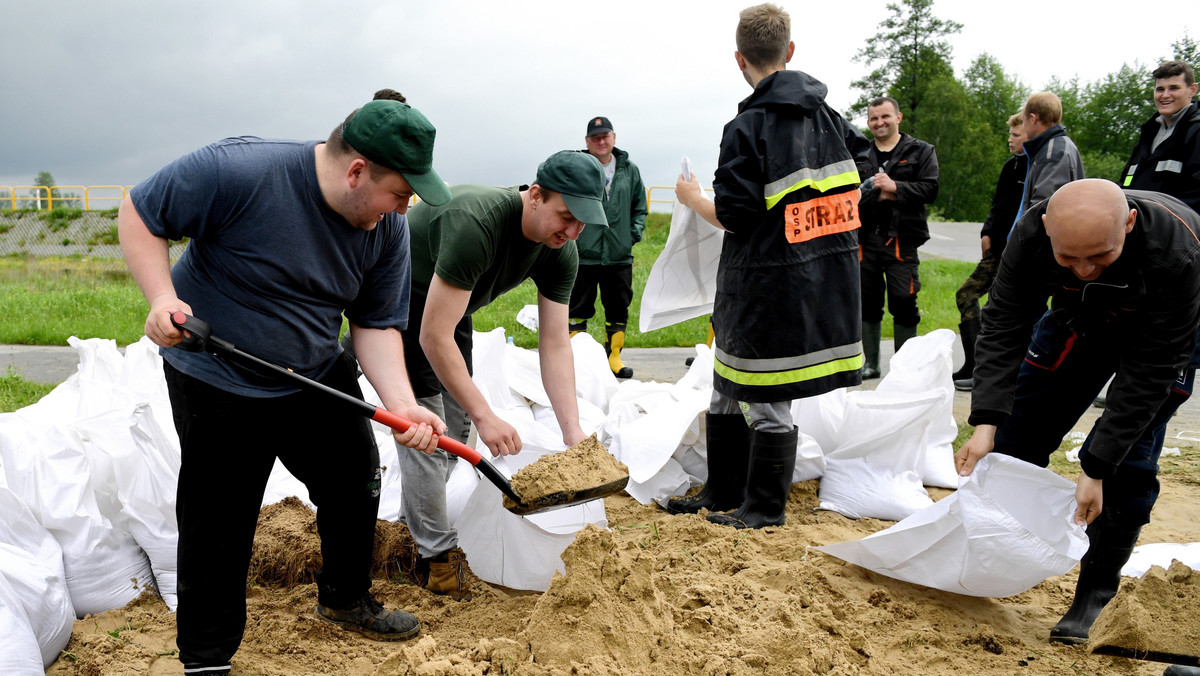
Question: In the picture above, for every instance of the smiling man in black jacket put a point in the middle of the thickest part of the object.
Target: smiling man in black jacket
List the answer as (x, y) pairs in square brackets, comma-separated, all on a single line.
[(1123, 271), (893, 227)]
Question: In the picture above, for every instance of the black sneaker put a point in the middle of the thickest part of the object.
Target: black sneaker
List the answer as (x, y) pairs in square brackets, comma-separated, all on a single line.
[(370, 619)]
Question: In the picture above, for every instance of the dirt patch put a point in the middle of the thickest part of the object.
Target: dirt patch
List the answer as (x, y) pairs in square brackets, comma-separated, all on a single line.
[(656, 594)]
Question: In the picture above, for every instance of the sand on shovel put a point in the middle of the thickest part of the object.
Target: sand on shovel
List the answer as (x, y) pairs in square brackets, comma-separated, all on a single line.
[(573, 474), (1152, 618)]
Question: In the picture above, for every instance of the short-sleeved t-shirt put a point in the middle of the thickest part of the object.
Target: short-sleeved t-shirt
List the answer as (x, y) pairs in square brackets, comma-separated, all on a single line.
[(270, 266), (474, 242)]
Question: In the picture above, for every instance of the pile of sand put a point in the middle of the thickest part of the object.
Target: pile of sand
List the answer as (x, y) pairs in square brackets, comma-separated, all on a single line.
[(1154, 615), (584, 470), (657, 594)]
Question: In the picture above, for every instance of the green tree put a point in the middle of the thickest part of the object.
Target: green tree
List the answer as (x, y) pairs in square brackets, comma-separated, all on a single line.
[(1186, 50), (996, 94), (41, 190), (1113, 110), (62, 200), (912, 54), (966, 149)]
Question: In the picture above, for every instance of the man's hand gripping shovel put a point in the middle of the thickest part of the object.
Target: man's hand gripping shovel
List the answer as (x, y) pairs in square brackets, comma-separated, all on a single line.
[(198, 338)]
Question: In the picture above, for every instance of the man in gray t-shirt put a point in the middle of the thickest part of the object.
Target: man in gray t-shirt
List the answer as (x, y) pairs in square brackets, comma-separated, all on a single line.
[(286, 237)]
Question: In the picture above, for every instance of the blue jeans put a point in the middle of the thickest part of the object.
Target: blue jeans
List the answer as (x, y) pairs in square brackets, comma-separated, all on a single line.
[(1062, 373)]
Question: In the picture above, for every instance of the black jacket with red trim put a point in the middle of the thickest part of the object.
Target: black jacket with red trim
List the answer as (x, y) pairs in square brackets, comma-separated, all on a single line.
[(1150, 296), (914, 168)]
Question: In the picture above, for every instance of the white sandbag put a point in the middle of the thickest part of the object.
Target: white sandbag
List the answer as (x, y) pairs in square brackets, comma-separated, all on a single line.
[(281, 484), (1008, 527), (527, 316), (594, 379), (924, 364), (823, 417), (810, 460), (460, 487), (521, 370), (670, 480), (20, 654), (647, 422), (49, 469), (500, 366), (488, 354), (33, 590), (873, 466), (1161, 554), (683, 281), (514, 551), (145, 473)]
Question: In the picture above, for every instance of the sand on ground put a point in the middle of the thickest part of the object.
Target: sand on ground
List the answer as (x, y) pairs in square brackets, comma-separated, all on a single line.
[(654, 594)]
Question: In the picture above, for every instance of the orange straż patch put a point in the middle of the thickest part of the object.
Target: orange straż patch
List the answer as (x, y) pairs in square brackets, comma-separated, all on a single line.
[(822, 216)]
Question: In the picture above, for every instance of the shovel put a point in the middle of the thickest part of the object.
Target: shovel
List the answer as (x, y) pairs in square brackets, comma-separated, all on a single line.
[(202, 340)]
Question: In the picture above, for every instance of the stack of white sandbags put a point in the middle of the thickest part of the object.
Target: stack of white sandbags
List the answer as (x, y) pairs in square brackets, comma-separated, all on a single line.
[(36, 615), (96, 462)]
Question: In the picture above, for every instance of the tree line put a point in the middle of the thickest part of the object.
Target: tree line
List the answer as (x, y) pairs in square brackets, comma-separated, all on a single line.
[(965, 117)]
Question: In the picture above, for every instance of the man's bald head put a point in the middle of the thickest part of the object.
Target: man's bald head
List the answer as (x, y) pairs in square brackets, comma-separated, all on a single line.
[(1087, 221)]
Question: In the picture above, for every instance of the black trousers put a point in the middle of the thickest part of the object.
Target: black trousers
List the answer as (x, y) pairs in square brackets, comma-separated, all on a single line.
[(616, 293), (229, 444), (889, 264)]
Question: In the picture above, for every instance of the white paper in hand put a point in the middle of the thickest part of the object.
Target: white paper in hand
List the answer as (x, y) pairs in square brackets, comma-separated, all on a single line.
[(683, 282)]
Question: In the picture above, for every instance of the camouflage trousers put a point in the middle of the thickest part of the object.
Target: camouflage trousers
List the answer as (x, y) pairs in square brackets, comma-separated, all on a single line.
[(977, 284)]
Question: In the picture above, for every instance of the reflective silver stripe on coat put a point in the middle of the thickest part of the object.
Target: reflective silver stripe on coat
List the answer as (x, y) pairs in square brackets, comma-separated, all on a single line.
[(815, 176), (787, 363)]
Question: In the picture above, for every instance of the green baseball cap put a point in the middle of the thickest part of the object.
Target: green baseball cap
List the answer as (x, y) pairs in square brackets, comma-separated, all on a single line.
[(399, 137), (579, 178)]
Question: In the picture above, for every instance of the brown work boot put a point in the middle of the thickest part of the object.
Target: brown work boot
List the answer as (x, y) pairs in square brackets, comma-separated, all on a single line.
[(449, 575)]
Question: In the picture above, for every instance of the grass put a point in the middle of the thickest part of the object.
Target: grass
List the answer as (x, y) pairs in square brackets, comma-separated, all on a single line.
[(46, 300), (16, 392)]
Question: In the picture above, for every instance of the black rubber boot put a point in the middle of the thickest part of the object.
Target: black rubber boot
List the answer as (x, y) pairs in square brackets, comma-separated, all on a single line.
[(728, 441), (902, 334), (871, 332), (772, 460), (1099, 578), (968, 332), (1181, 670)]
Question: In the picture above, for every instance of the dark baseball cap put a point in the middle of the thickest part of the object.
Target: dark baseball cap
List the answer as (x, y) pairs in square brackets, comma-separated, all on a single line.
[(579, 178), (397, 136), (598, 125)]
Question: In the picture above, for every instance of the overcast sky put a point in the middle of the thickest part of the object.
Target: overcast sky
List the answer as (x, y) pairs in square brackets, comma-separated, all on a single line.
[(102, 93)]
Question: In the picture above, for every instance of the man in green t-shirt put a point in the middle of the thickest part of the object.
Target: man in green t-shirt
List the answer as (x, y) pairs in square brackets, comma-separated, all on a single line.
[(466, 253)]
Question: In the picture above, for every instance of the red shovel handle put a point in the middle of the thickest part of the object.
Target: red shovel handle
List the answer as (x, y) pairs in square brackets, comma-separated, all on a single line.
[(445, 443)]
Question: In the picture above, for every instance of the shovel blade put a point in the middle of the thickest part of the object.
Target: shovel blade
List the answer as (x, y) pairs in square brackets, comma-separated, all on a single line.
[(561, 499)]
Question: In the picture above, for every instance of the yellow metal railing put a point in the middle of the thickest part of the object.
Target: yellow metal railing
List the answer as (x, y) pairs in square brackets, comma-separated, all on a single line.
[(650, 194), (94, 197)]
